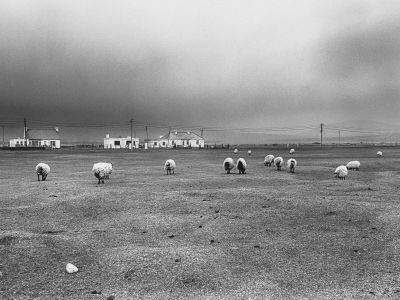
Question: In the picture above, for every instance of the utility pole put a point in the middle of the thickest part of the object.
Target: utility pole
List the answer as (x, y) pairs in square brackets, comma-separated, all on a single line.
[(202, 132), (147, 134), (339, 137), (3, 135), (131, 135), (26, 144), (321, 134), (169, 133)]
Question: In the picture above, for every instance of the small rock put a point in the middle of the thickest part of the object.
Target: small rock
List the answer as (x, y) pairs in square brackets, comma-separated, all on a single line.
[(171, 236), (71, 268), (212, 241), (53, 196), (177, 260), (110, 297), (95, 292), (200, 226), (257, 246)]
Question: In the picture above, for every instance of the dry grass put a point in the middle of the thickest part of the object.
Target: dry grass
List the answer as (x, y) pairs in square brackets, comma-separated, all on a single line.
[(200, 233)]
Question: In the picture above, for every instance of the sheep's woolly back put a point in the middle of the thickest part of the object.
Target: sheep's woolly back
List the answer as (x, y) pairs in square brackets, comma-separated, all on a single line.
[(278, 160), (269, 159), (355, 164), (290, 161), (169, 164), (241, 165), (379, 153), (291, 151), (341, 171), (229, 164), (102, 169), (42, 169)]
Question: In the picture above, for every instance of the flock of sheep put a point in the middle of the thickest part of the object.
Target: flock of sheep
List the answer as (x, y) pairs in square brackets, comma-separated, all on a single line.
[(103, 170)]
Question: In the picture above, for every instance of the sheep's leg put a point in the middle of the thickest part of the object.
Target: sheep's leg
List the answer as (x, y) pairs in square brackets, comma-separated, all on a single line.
[(99, 181), (44, 177)]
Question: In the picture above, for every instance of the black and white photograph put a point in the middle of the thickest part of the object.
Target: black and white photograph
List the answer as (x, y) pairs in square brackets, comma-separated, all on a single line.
[(199, 149)]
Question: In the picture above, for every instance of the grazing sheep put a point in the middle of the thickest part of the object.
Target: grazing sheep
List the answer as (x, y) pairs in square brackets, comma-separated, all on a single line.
[(278, 161), (170, 166), (249, 152), (341, 172), (102, 170), (291, 163), (236, 151), (353, 165), (229, 164), (43, 170), (241, 166), (379, 153), (268, 160), (291, 151)]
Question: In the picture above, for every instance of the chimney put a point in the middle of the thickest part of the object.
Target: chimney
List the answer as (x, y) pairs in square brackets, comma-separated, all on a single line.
[(107, 136)]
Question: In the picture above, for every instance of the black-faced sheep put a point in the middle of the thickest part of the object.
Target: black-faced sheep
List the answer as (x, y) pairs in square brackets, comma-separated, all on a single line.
[(102, 170), (170, 166), (278, 161), (291, 164), (341, 172), (228, 165), (353, 165), (268, 160), (241, 166), (43, 170)]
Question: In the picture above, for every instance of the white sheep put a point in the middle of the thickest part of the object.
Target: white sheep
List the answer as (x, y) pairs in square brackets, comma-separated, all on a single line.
[(43, 170), (236, 151), (341, 172), (241, 166), (268, 160), (170, 166), (102, 170), (291, 151), (249, 152), (278, 161), (228, 165), (291, 164), (353, 165), (379, 153)]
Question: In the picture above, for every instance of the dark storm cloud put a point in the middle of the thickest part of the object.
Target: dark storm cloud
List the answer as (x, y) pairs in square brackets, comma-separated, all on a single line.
[(361, 68), (373, 51), (232, 63)]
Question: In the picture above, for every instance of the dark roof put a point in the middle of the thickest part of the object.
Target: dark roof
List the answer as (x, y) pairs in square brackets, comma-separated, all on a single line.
[(182, 135), (49, 134)]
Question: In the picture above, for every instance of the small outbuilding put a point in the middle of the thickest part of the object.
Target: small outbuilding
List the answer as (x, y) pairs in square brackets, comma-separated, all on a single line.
[(120, 142)]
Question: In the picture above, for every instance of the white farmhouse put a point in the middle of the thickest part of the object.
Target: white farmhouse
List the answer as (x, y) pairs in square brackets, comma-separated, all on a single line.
[(120, 142), (38, 138), (176, 139)]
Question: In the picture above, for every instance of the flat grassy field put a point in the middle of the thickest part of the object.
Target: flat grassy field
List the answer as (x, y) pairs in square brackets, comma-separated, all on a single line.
[(200, 234)]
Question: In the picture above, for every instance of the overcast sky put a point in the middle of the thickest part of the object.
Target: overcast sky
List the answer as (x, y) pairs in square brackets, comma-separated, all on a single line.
[(209, 63)]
